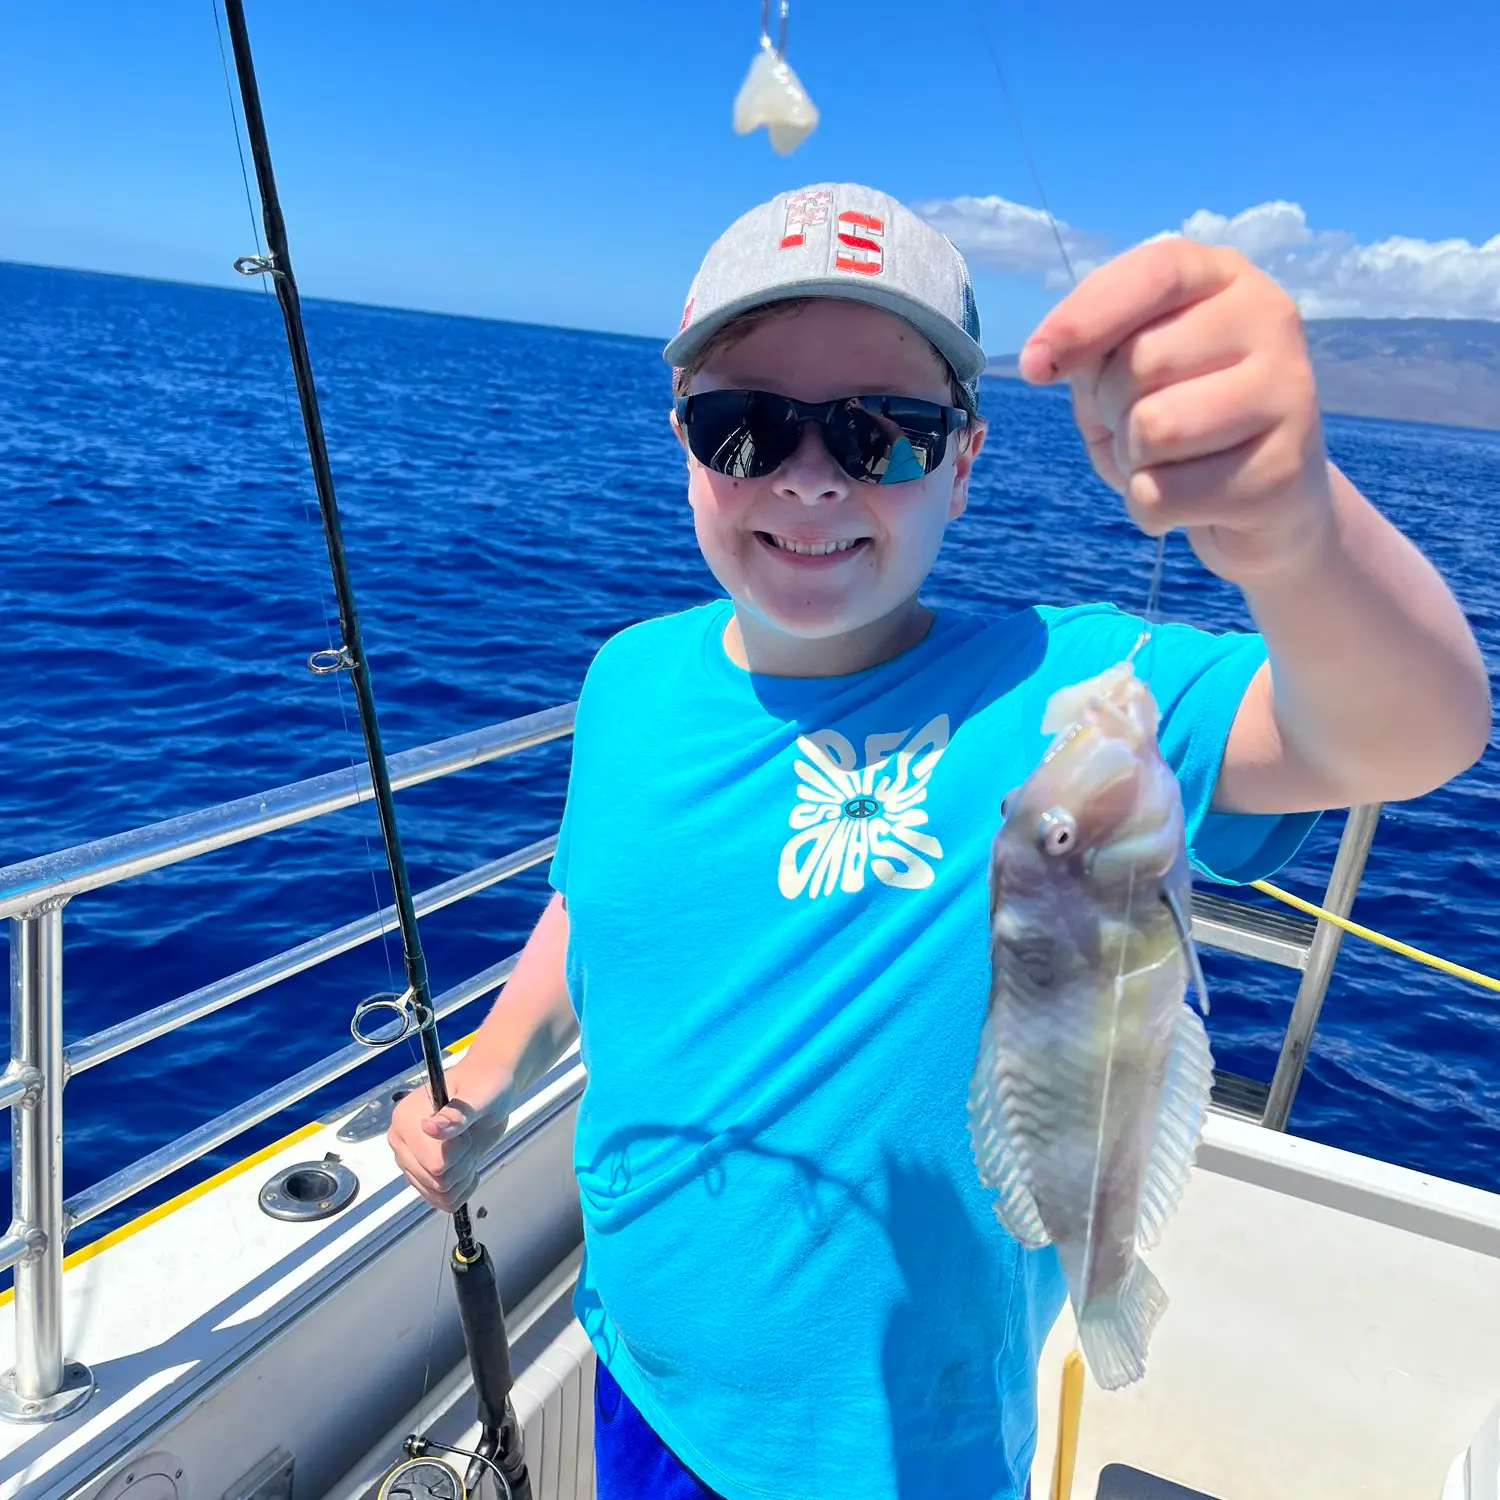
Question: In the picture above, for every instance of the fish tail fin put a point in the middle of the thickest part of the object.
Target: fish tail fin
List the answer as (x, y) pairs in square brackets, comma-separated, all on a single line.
[(1115, 1328)]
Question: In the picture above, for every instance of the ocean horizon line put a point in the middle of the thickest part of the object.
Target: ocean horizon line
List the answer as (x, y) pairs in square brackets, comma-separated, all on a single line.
[(1001, 368), (251, 284)]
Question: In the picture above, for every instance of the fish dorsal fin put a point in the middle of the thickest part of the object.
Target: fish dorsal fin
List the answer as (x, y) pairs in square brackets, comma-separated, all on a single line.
[(1183, 924), (1185, 1094), (994, 1151)]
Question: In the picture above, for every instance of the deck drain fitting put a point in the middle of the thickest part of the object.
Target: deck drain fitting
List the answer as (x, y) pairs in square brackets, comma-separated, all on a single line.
[(309, 1190)]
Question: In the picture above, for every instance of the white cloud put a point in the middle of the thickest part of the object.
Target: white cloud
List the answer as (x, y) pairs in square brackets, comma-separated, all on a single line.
[(1265, 230), (1328, 272), (1005, 236)]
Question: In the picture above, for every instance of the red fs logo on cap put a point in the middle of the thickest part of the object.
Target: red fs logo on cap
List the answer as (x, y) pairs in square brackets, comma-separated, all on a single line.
[(860, 235), (803, 210)]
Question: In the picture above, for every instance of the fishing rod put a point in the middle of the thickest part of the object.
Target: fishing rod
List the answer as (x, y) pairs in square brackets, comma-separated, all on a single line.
[(499, 1451)]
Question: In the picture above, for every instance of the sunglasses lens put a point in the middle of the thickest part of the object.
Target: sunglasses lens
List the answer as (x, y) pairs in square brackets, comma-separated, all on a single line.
[(744, 434), (889, 440), (874, 439)]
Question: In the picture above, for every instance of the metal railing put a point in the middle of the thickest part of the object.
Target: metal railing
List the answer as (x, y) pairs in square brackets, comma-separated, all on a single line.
[(1296, 942), (1322, 950), (34, 893)]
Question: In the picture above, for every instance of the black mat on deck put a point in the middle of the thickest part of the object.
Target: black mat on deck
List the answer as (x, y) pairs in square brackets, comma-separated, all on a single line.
[(1119, 1482)]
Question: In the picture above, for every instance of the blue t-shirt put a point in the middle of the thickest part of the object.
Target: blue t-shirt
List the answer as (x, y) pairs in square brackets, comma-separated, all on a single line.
[(779, 954)]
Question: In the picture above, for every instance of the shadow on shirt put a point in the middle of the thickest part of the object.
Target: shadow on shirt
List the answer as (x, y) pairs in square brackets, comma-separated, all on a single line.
[(963, 1336)]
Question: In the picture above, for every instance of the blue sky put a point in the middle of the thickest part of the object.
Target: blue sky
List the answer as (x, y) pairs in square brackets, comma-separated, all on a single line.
[(569, 163)]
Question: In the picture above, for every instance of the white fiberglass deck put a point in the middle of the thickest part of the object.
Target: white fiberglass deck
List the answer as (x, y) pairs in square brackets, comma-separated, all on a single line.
[(1308, 1353), (1311, 1350)]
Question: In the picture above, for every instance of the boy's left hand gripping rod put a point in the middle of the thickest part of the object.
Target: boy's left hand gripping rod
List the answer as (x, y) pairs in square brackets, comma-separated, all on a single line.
[(499, 1451)]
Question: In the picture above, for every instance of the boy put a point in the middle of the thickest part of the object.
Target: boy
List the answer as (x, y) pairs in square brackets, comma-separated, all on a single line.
[(771, 908)]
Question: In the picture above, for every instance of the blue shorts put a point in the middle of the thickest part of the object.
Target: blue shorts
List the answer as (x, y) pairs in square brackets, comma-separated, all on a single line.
[(630, 1461)]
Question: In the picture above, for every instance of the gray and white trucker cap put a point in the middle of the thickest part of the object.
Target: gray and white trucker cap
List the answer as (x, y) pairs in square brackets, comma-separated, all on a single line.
[(836, 240)]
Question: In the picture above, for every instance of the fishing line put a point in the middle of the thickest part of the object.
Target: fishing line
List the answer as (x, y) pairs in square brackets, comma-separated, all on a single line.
[(1153, 598), (239, 145), (307, 512), (1152, 616), (476, 1286), (1015, 120), (437, 1293), (1072, 1385)]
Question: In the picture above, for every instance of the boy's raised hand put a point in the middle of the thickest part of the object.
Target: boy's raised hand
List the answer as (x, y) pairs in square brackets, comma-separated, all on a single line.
[(1194, 393)]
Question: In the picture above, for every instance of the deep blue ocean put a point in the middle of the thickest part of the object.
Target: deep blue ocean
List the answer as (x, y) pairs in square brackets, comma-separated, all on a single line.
[(512, 496)]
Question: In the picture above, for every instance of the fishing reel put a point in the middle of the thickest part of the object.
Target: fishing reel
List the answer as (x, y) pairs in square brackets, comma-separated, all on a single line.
[(422, 1475), (423, 1479)]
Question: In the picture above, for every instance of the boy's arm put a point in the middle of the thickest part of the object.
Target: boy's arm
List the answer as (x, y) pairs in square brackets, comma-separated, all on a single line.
[(1195, 395), (528, 1028), (1375, 689)]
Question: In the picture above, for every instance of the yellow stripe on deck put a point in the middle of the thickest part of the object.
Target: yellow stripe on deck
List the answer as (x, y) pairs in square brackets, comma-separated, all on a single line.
[(153, 1215), (189, 1195)]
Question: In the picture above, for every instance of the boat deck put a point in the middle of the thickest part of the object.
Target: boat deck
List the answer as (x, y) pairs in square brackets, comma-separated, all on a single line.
[(1307, 1351), (1334, 1332)]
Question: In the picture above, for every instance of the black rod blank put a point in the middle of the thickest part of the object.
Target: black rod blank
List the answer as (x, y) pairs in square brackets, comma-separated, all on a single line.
[(474, 1278)]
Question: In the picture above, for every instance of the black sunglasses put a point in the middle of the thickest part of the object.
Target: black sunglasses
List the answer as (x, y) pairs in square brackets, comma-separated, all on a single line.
[(876, 439)]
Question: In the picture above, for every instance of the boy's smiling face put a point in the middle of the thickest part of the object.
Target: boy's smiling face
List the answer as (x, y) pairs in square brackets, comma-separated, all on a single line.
[(805, 614)]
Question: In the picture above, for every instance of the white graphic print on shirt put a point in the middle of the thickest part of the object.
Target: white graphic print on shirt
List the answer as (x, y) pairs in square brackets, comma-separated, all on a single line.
[(851, 817)]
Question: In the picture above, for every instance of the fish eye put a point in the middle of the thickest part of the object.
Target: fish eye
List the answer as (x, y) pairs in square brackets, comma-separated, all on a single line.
[(1057, 832), (1008, 801)]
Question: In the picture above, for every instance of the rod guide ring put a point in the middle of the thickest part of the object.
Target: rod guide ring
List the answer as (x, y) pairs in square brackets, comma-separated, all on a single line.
[(404, 1013), (330, 659), (257, 265)]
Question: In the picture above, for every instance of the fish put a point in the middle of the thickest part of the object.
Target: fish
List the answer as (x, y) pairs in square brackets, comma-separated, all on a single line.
[(1093, 1073), (772, 95)]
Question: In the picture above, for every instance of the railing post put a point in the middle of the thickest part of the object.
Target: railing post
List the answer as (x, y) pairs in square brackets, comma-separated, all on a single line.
[(42, 1386), (1343, 886)]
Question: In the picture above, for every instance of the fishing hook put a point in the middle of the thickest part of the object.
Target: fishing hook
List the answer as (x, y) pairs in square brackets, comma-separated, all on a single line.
[(765, 26)]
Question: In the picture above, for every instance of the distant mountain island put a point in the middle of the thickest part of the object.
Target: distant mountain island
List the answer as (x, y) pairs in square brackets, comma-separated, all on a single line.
[(1444, 370)]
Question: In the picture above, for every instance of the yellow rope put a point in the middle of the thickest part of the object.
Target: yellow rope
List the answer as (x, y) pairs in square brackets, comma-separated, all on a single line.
[(1444, 965), (1069, 1408)]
